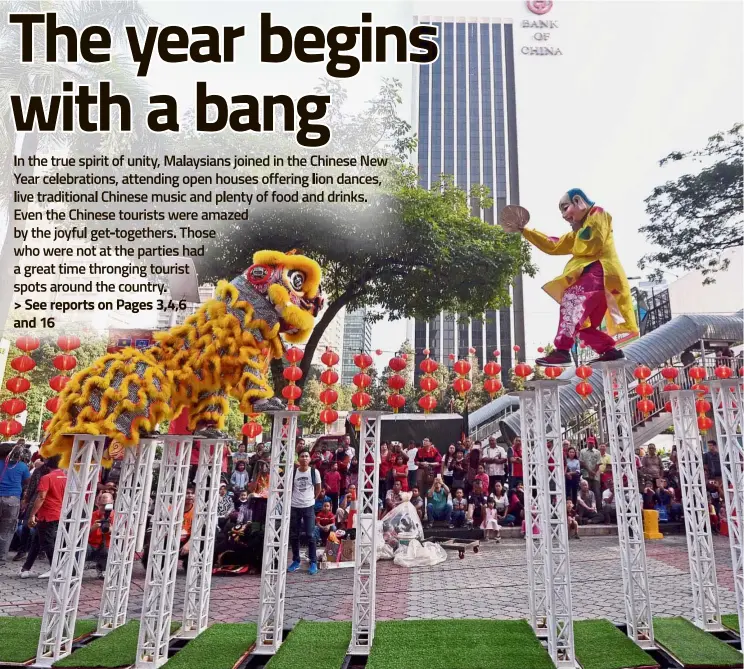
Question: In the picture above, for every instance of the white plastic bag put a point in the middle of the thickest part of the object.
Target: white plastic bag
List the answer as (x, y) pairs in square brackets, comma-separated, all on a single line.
[(402, 523), (416, 555)]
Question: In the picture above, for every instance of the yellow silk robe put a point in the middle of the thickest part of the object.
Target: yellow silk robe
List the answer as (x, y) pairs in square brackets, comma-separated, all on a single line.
[(592, 242)]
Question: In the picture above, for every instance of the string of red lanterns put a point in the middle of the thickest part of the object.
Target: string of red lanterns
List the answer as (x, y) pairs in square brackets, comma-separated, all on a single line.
[(462, 384), (396, 400), (644, 390), (491, 370), (252, 428), (292, 392), (64, 362), (361, 399), (18, 385), (328, 396), (428, 383), (584, 388)]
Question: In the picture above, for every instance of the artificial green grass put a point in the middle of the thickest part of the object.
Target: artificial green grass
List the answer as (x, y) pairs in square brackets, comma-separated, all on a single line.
[(457, 644), (20, 637), (117, 649), (601, 645), (314, 646), (731, 620), (692, 646), (218, 647)]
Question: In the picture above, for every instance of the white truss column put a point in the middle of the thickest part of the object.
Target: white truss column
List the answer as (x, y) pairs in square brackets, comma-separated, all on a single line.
[(142, 517), (705, 606), (365, 558), (534, 515), (124, 529), (276, 533), (165, 543), (554, 530), (201, 544), (638, 615), (727, 398), (68, 563)]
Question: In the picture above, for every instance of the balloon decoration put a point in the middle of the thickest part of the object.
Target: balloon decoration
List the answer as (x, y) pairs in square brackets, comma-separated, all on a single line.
[(292, 392), (462, 383), (491, 371), (396, 382), (329, 396), (361, 399), (428, 383), (64, 363), (252, 429)]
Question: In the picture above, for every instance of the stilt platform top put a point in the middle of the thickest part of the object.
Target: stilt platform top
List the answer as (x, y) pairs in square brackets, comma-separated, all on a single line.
[(546, 383)]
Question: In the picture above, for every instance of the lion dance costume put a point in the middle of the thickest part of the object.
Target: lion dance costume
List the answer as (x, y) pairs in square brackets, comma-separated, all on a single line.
[(224, 348), (593, 285)]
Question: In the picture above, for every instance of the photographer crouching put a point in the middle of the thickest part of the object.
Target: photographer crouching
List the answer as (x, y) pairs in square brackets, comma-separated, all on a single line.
[(99, 538)]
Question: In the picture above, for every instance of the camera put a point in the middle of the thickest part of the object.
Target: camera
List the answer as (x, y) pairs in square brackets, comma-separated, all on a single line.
[(106, 520)]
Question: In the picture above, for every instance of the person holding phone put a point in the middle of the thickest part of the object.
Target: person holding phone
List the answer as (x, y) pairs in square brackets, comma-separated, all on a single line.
[(99, 539)]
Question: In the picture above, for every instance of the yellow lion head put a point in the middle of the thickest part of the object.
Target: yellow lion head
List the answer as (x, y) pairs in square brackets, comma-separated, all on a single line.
[(291, 282)]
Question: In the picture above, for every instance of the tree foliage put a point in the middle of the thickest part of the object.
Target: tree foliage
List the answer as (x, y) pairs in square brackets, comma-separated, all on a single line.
[(695, 218)]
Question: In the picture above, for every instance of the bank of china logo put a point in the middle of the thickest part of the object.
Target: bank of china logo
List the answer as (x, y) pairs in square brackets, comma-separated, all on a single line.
[(540, 6)]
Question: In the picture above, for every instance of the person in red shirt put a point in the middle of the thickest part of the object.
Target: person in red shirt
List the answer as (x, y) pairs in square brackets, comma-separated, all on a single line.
[(429, 461), (400, 472), (325, 522), (332, 482), (515, 460), (99, 539), (45, 515)]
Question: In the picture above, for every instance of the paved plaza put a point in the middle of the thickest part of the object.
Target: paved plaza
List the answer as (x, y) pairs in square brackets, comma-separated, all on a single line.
[(490, 584)]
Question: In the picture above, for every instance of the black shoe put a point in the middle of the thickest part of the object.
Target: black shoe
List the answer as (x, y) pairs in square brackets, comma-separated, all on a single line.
[(211, 433), (557, 358), (609, 356), (270, 404), (20, 556)]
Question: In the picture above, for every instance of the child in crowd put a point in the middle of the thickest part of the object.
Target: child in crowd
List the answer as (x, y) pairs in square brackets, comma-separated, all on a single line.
[(240, 499), (400, 472), (490, 524), (418, 502), (332, 481), (459, 509), (324, 523), (459, 470), (573, 524), (239, 478), (483, 478), (321, 500)]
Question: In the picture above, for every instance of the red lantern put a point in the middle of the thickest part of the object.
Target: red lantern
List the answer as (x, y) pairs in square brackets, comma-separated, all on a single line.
[(523, 370), (668, 407), (396, 402), (702, 406), (396, 382), (397, 364), (428, 403), (641, 372), (428, 384), (492, 369), (64, 363), (10, 428), (671, 386), (516, 348), (27, 343), (553, 372), (426, 351), (356, 420), (451, 356), (13, 406), (68, 342), (540, 349), (18, 385), (645, 406), (53, 403), (462, 367), (58, 383), (22, 364), (362, 380), (329, 377), (700, 388), (378, 351), (724, 372), (328, 396), (697, 373), (462, 386), (291, 392), (644, 389), (45, 425), (328, 416), (496, 353), (294, 355), (492, 386), (360, 400), (669, 373), (583, 372), (428, 366), (292, 373), (471, 350), (363, 360), (251, 429), (404, 356), (329, 358), (704, 423), (584, 389)]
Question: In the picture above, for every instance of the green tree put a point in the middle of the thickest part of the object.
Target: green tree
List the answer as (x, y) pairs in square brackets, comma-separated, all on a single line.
[(698, 216)]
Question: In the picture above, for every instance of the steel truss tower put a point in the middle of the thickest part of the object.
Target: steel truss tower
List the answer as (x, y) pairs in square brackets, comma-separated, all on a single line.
[(276, 534), (627, 503), (365, 564), (68, 563), (552, 498), (705, 607), (727, 398)]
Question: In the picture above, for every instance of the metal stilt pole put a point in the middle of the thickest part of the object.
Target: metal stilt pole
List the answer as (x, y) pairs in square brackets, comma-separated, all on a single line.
[(627, 504), (705, 606), (365, 558), (165, 544), (147, 490), (552, 498), (533, 515), (201, 543), (276, 534), (727, 398), (68, 563), (124, 530)]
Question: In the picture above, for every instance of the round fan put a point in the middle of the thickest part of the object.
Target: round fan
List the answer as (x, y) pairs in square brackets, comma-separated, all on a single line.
[(514, 218)]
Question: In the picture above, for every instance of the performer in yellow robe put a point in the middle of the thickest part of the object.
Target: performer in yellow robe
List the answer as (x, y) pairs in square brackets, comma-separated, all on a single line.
[(593, 285)]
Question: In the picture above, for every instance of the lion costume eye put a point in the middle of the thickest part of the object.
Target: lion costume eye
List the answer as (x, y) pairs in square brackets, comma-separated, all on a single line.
[(296, 279), (258, 274)]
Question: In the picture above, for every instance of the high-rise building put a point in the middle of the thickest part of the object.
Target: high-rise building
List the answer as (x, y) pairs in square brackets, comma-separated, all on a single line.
[(357, 339), (466, 114), (332, 337)]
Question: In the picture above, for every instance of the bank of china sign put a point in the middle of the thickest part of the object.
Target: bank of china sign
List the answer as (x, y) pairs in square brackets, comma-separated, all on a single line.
[(541, 35)]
